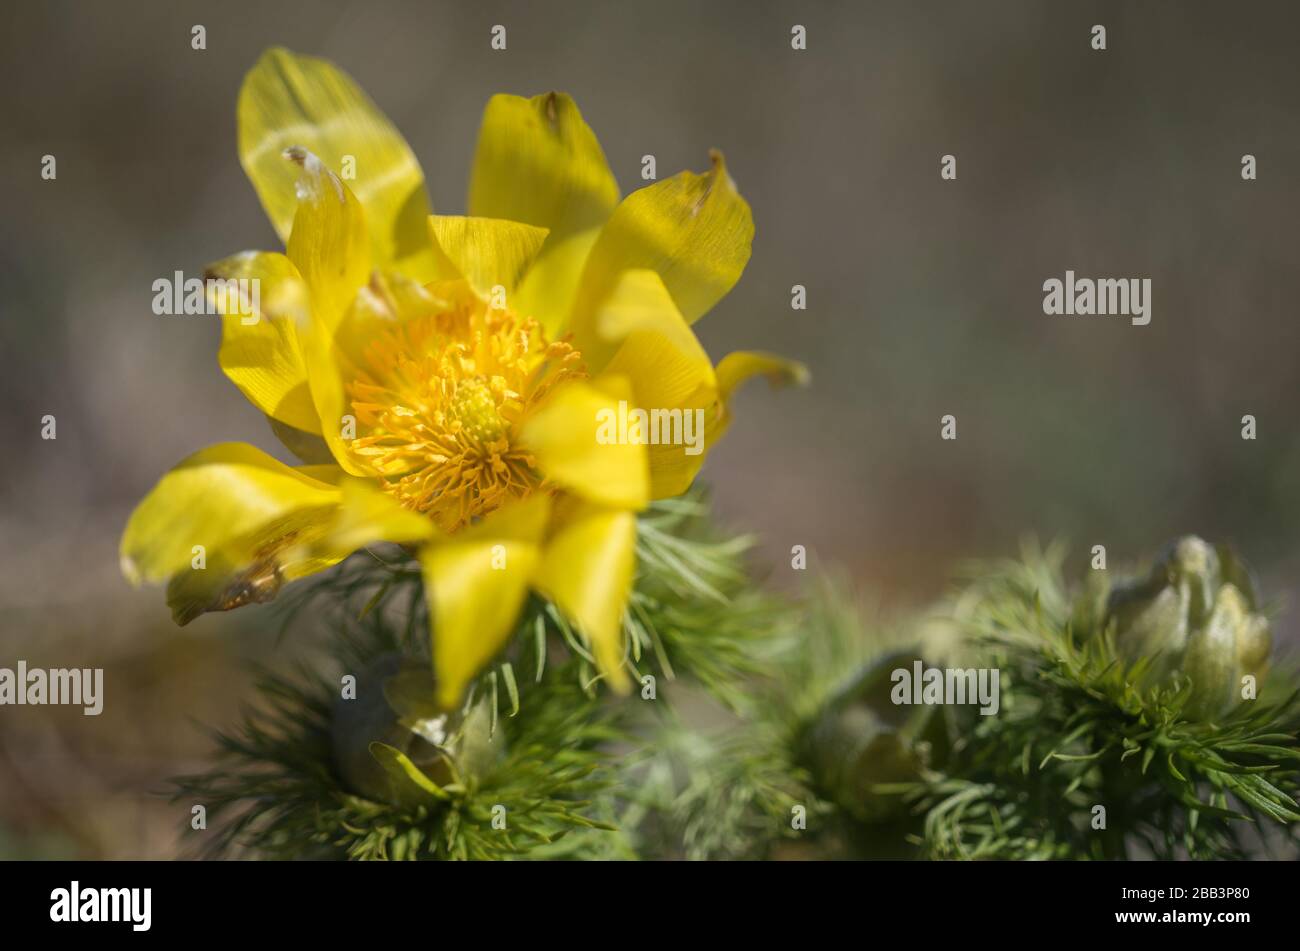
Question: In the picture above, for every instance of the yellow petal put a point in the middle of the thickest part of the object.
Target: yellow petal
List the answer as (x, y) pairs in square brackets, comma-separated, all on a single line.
[(476, 582), (222, 527), (538, 162), (327, 473), (639, 332), (735, 368), (328, 246), (387, 300), (325, 374), (587, 570), (671, 469), (672, 377), (328, 241), (251, 569), (366, 516), (259, 338), (695, 230), (289, 100), (575, 440), (309, 447), (486, 251), (673, 472), (550, 285)]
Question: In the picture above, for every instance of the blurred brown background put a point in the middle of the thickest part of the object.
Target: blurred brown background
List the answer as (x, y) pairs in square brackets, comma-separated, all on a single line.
[(924, 299)]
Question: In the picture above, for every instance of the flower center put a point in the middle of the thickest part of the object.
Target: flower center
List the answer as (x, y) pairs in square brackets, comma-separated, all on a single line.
[(475, 408), (439, 402)]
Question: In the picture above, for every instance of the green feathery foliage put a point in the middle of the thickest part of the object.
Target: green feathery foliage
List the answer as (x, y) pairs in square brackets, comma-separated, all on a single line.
[(1081, 727), (803, 755), (736, 791), (277, 791)]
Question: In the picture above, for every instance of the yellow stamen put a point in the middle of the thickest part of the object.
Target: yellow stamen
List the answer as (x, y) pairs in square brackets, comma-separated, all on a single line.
[(438, 404)]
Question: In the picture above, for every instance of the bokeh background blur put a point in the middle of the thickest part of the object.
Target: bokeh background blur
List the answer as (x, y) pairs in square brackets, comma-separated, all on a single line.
[(924, 299)]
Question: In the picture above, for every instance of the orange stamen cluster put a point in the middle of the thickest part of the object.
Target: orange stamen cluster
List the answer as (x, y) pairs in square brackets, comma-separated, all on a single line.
[(439, 403)]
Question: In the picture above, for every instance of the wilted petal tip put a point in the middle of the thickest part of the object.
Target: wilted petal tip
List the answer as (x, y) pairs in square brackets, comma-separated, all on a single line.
[(314, 170)]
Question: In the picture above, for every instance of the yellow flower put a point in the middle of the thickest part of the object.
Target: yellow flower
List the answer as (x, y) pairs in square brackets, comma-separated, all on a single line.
[(443, 376)]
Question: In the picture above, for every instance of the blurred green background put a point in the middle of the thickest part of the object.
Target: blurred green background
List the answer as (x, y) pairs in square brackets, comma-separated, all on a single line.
[(924, 299)]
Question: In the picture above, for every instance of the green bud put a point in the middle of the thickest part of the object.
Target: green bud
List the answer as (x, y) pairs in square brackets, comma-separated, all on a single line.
[(1194, 615), (394, 706), (861, 739)]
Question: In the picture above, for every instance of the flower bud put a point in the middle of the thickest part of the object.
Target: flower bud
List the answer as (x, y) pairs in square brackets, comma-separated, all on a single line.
[(394, 706), (862, 739), (1194, 615)]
